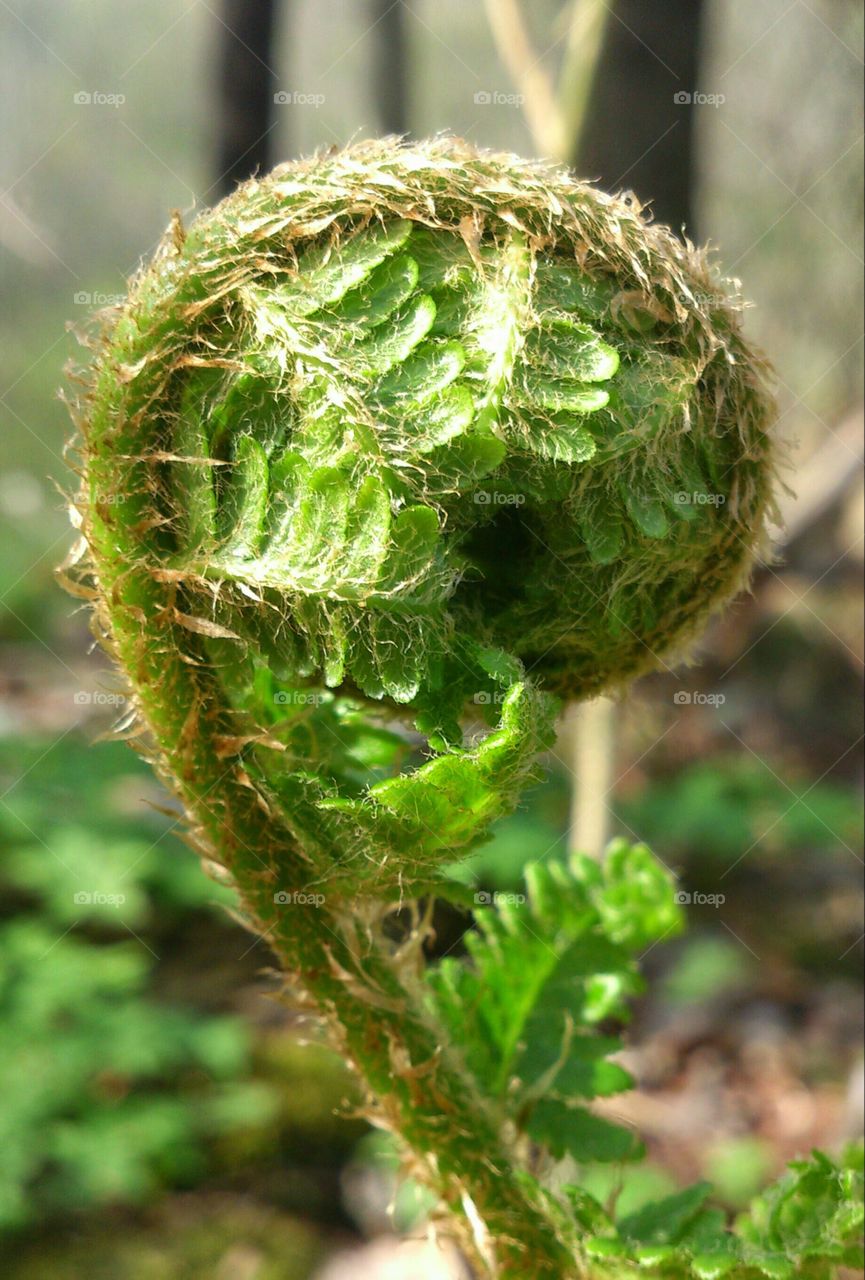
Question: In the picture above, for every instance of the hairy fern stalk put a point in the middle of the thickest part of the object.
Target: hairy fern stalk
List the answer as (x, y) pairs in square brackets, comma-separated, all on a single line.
[(391, 435)]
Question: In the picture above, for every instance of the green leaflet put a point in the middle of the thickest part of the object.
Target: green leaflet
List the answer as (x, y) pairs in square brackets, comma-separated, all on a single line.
[(322, 436), (568, 1062), (542, 974), (431, 368), (495, 333), (647, 512), (334, 646), (392, 342), (416, 543), (243, 511), (440, 420), (376, 298), (325, 275), (287, 477), (559, 438), (466, 460), (566, 349), (538, 388), (448, 804), (500, 666), (603, 533), (391, 655), (568, 289), (665, 1221), (443, 263), (248, 408), (367, 533), (317, 530), (576, 1132), (457, 310), (192, 483), (649, 396), (692, 486)]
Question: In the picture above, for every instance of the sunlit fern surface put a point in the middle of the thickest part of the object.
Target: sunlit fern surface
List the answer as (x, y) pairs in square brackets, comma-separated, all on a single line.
[(423, 447)]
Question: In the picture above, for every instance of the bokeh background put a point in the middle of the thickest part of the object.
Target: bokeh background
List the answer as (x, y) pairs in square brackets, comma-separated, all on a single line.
[(159, 1116)]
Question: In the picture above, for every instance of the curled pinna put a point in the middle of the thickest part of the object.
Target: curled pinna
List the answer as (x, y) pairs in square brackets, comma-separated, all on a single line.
[(388, 410)]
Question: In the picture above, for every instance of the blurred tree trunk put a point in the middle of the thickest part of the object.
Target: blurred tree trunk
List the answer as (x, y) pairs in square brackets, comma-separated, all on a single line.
[(636, 135), (247, 83), (389, 69)]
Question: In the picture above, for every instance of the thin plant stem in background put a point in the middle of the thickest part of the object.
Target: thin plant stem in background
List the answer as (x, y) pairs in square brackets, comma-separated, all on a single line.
[(556, 116)]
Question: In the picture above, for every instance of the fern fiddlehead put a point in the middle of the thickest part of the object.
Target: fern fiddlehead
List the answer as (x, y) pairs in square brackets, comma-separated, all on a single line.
[(387, 434)]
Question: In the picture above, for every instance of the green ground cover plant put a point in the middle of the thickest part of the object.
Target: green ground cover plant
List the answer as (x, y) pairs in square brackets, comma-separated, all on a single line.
[(110, 1094)]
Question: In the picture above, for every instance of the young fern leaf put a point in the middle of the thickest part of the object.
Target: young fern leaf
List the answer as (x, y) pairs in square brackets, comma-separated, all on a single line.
[(399, 437), (809, 1223), (542, 976)]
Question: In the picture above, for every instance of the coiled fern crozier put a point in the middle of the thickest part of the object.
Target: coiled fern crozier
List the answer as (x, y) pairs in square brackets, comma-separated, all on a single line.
[(389, 436)]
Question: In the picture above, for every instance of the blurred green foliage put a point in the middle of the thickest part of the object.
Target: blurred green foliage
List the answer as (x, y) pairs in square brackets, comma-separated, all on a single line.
[(623, 1189), (377, 1155), (197, 1238), (707, 967), (722, 807), (718, 809), (108, 1093), (738, 1169)]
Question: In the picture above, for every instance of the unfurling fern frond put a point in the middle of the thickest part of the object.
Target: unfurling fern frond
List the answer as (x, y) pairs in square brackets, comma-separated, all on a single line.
[(380, 457)]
